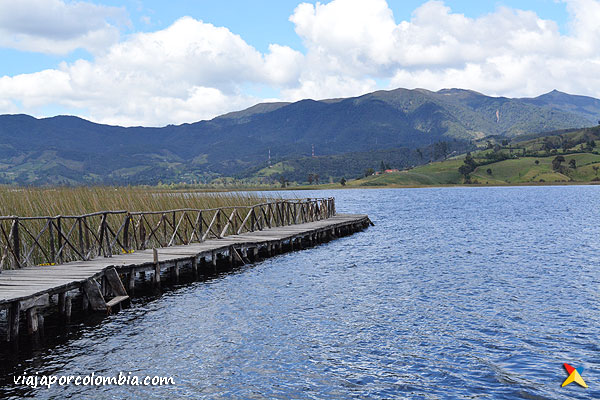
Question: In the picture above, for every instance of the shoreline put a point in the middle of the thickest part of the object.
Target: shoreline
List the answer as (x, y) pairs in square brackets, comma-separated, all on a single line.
[(392, 186)]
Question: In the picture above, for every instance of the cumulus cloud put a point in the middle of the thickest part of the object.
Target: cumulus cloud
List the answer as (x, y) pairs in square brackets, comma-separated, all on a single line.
[(56, 27), (507, 52), (194, 70), (189, 71)]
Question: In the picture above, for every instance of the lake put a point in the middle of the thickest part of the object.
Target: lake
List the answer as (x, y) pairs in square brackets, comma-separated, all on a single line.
[(454, 293)]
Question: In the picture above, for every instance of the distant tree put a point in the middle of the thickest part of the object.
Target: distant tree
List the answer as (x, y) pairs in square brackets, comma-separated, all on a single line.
[(440, 150), (311, 179), (316, 176), (369, 172), (537, 162), (382, 167), (465, 170), (556, 162), (573, 163), (284, 182), (489, 171), (504, 142), (595, 168), (343, 181), (420, 153), (470, 161)]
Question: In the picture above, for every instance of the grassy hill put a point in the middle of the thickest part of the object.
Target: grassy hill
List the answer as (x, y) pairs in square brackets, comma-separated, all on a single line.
[(518, 162)]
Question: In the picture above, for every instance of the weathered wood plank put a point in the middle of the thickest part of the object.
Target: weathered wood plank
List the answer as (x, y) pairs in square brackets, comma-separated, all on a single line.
[(94, 295), (115, 282)]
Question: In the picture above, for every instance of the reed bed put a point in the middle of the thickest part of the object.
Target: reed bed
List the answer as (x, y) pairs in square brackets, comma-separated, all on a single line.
[(47, 226), (34, 202)]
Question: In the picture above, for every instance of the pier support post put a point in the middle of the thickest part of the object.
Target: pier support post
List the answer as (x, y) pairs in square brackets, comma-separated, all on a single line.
[(213, 261), (131, 282), (64, 306), (13, 321), (32, 320), (68, 304), (156, 278), (85, 303), (195, 268), (61, 302), (175, 272)]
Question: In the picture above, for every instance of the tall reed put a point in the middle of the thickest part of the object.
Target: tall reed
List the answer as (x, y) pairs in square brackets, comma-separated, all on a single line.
[(29, 202)]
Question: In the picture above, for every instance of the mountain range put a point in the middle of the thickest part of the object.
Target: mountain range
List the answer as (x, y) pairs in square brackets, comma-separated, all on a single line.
[(71, 150)]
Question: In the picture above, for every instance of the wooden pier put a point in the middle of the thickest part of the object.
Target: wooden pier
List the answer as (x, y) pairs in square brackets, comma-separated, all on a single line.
[(57, 263)]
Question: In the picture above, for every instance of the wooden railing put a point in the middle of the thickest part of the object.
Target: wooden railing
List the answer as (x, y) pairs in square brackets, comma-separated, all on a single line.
[(28, 241)]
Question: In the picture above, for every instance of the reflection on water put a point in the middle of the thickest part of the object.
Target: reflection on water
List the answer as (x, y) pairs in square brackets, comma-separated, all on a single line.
[(454, 293)]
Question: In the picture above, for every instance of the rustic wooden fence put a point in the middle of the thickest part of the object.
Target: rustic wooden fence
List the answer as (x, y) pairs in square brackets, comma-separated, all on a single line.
[(27, 241)]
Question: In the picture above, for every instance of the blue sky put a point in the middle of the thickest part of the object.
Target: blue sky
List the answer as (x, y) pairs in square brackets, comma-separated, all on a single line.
[(259, 22), (141, 62)]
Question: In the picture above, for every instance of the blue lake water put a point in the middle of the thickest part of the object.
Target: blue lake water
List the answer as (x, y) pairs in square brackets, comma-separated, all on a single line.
[(454, 293)]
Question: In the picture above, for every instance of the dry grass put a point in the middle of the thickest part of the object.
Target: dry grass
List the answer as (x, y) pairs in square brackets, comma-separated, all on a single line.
[(29, 202)]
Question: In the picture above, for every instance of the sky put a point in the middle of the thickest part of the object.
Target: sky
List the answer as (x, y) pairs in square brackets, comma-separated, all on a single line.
[(153, 63)]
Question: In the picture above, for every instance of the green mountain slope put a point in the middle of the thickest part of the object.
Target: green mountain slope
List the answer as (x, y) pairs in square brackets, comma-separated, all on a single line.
[(74, 151), (517, 162)]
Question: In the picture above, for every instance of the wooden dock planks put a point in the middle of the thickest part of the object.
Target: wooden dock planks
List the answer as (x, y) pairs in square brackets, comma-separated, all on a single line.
[(24, 283)]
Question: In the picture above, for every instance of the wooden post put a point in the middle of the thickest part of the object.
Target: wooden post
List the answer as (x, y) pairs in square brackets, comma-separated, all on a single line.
[(40, 323), (85, 302), (32, 320), (213, 260), (67, 308), (51, 233), (199, 225), (80, 239), (218, 222), (163, 221), (16, 242), (86, 234), (142, 233), (156, 279), (59, 239), (61, 302), (131, 282), (174, 221), (13, 321), (195, 267), (101, 238), (230, 256), (175, 272), (126, 232)]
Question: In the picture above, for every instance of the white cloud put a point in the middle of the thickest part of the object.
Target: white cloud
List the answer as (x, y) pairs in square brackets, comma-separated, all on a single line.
[(194, 70), (187, 72), (506, 52), (56, 27)]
